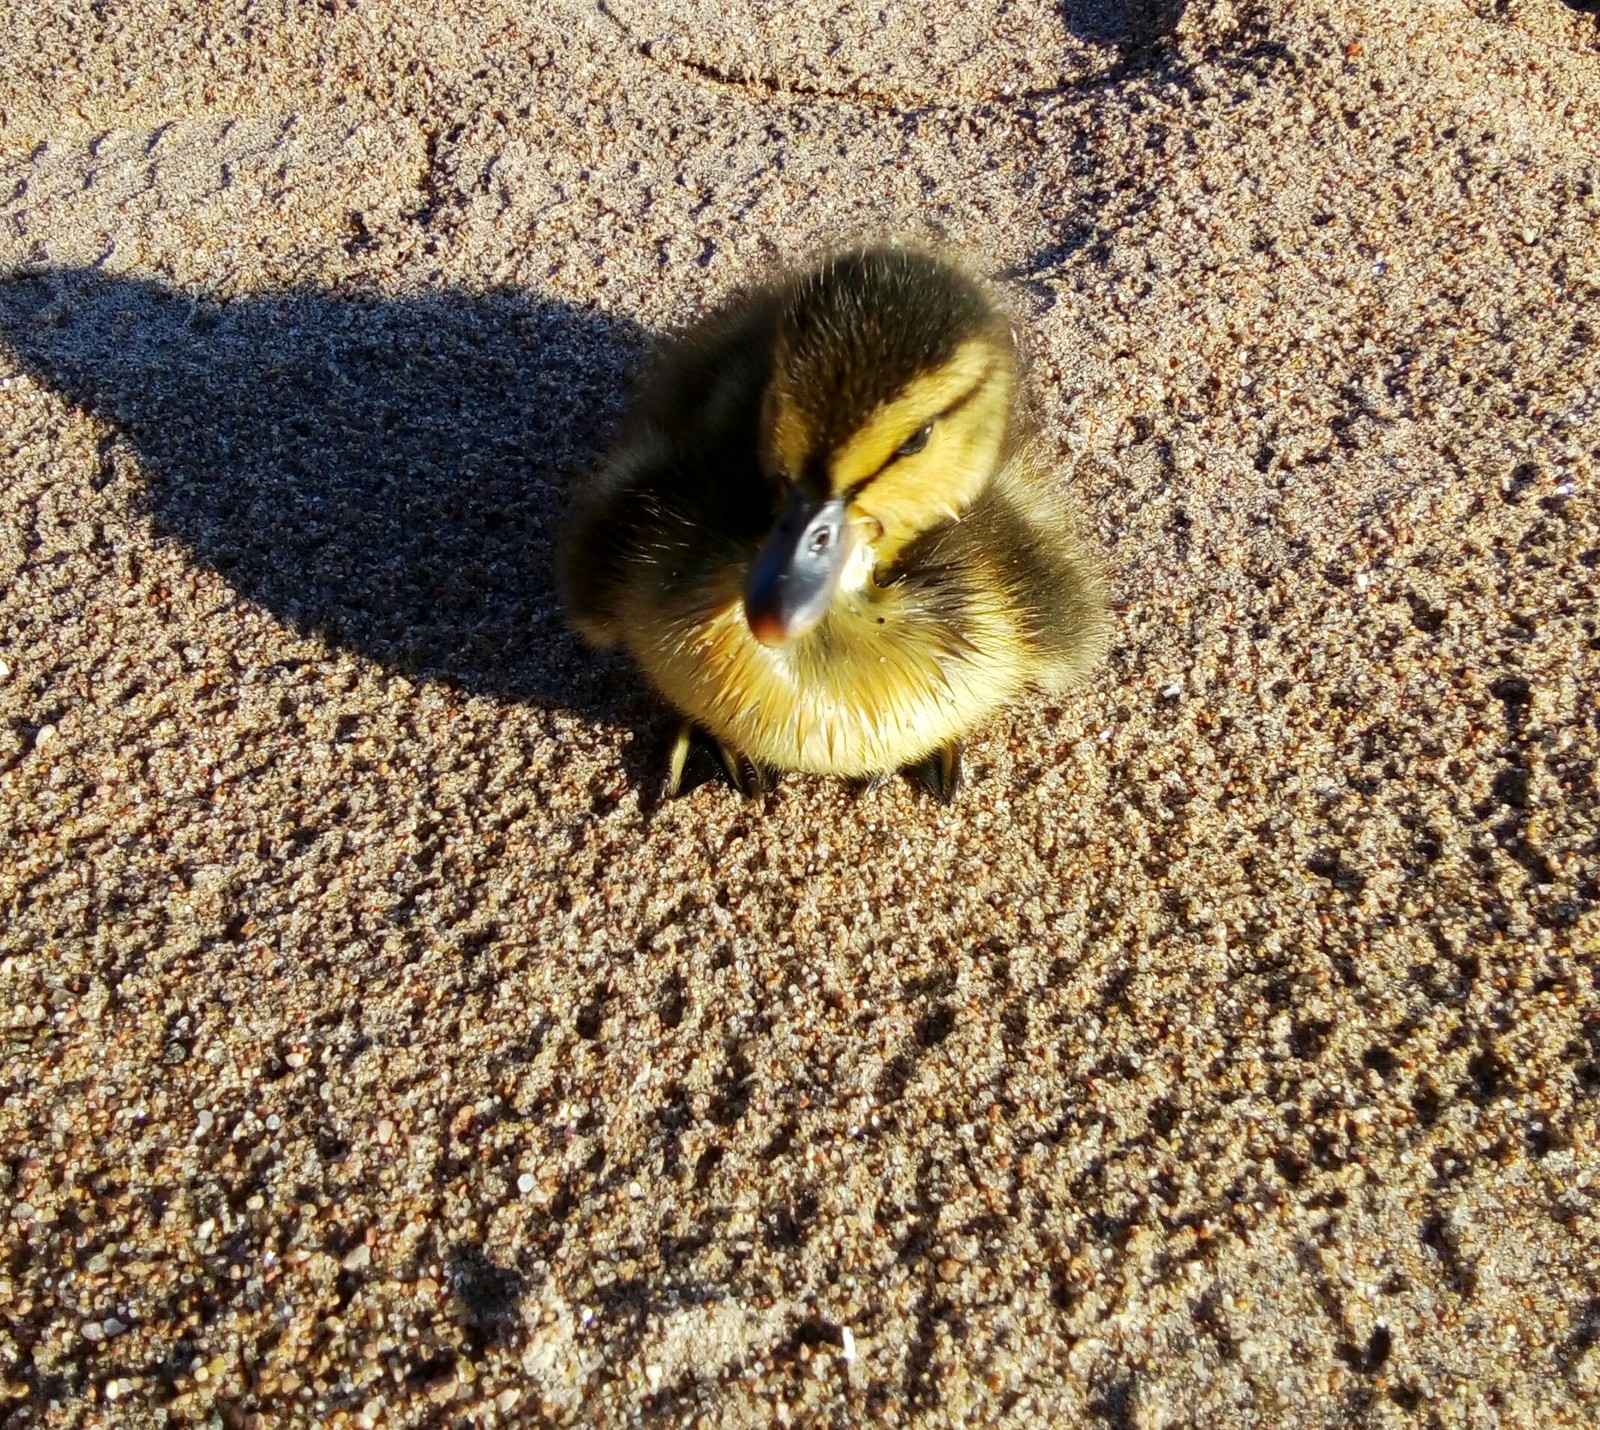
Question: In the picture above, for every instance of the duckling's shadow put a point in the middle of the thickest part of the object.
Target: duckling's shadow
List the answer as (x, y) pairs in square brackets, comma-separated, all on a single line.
[(1128, 25), (389, 472)]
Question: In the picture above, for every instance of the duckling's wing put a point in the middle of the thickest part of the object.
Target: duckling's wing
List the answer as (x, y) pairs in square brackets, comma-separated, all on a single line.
[(599, 543), (1051, 577), (1013, 557), (682, 476)]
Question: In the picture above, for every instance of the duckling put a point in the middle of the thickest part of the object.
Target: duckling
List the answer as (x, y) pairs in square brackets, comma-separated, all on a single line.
[(825, 535)]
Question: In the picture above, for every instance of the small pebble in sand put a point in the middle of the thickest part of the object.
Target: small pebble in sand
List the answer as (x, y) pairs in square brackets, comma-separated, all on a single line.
[(847, 1345), (442, 1388), (525, 1183), (45, 735), (357, 1257), (385, 1131)]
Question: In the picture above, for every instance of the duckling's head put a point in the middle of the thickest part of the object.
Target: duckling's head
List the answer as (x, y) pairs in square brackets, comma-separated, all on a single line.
[(884, 415)]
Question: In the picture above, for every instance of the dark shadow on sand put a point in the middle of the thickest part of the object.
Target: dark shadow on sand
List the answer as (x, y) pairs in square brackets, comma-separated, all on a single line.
[(387, 472), (1128, 25)]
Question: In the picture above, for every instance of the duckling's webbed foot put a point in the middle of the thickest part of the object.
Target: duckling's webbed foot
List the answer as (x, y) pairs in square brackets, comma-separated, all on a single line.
[(869, 784), (698, 757), (940, 773)]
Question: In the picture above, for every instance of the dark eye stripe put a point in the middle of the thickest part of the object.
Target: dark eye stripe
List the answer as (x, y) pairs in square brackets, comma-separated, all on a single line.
[(948, 411)]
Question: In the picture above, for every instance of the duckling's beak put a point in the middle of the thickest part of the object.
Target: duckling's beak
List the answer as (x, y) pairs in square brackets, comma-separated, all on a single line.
[(796, 572)]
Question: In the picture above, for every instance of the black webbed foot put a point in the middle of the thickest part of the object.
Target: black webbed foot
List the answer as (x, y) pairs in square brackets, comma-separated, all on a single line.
[(869, 784), (940, 773), (698, 757)]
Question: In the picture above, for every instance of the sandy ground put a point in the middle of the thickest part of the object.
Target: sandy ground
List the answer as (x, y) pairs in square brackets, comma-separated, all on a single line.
[(375, 1054)]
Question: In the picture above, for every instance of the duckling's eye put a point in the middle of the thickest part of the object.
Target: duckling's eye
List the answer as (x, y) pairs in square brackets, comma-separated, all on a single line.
[(820, 541), (915, 442)]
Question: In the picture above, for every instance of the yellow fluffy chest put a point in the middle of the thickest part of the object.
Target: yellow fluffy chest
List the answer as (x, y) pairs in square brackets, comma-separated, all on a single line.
[(881, 683)]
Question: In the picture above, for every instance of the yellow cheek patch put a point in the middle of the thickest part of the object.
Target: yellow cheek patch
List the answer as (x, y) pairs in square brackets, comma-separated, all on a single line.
[(916, 492), (921, 400)]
